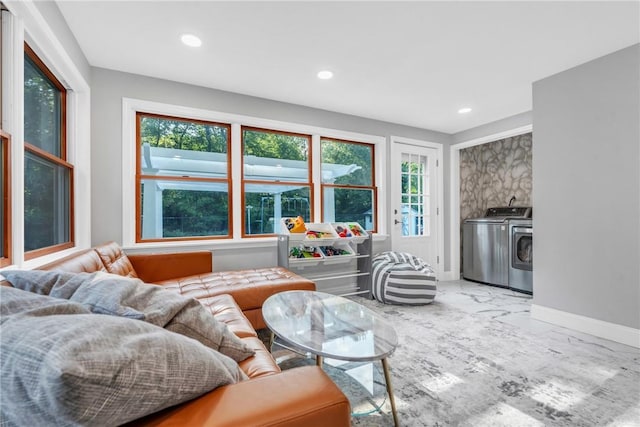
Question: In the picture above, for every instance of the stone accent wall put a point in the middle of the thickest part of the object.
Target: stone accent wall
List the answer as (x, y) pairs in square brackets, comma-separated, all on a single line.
[(492, 173)]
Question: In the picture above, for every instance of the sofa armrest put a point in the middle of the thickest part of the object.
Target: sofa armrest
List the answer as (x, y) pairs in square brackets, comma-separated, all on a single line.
[(299, 397), (152, 268)]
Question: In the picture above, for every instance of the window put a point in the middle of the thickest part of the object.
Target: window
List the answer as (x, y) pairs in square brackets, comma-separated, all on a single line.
[(48, 177), (5, 200), (192, 175), (415, 197), (348, 182), (276, 179), (5, 174), (183, 179)]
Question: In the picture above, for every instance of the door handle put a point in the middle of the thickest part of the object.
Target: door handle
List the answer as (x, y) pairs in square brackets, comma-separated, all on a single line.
[(395, 221)]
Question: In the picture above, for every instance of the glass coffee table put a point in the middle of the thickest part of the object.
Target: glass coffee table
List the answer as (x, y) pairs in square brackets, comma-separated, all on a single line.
[(334, 327)]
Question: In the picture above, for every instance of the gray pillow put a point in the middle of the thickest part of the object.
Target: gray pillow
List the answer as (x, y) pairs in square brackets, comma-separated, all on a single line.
[(15, 301), (91, 369), (116, 295)]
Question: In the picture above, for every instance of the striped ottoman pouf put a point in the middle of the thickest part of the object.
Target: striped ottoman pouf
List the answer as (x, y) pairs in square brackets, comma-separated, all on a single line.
[(402, 278)]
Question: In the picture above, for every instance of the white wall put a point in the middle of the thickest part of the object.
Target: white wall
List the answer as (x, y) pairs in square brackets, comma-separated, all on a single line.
[(586, 190)]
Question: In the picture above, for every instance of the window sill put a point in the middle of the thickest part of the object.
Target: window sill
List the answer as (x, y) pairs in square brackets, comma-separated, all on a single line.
[(38, 262), (202, 245), (212, 245)]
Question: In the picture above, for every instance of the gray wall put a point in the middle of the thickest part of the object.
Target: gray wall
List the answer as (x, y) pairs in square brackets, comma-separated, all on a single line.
[(108, 89), (506, 124), (586, 189)]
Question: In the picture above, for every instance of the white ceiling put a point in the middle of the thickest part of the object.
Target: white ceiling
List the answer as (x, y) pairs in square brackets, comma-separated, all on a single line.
[(414, 63)]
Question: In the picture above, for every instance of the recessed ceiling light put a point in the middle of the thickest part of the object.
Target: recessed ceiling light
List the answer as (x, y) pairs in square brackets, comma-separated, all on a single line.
[(191, 40), (464, 110), (325, 74)]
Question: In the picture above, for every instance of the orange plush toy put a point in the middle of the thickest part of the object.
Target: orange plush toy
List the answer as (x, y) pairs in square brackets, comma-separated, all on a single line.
[(295, 225)]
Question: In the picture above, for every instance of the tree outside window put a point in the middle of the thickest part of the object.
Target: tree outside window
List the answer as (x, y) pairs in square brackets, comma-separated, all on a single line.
[(276, 179), (48, 201), (349, 195), (184, 179)]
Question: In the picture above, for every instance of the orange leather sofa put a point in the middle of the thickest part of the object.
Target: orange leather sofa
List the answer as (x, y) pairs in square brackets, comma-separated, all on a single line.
[(303, 396)]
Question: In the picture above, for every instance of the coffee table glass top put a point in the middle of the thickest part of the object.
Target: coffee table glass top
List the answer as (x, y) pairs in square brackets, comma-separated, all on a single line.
[(329, 326)]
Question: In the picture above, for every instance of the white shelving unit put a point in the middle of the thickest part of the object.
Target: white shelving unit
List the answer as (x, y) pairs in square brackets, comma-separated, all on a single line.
[(347, 274)]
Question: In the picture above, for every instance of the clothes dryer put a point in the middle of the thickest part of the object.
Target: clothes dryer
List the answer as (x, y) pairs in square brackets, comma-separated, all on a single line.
[(521, 255)]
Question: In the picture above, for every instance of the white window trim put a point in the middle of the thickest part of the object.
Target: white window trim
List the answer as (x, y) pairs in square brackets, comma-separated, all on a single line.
[(29, 24), (131, 106)]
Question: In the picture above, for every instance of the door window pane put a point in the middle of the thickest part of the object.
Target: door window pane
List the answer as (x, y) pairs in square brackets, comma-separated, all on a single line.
[(47, 190), (414, 195), (266, 204)]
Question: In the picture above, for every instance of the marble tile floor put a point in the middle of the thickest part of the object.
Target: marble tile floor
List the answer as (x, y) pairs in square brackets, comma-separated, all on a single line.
[(514, 308), (504, 305), (475, 357)]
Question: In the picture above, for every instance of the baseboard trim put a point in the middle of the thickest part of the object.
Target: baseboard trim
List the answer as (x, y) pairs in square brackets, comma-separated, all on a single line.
[(448, 276), (599, 328)]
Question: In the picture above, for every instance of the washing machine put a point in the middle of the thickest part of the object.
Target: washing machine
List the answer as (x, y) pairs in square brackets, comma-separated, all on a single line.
[(485, 245)]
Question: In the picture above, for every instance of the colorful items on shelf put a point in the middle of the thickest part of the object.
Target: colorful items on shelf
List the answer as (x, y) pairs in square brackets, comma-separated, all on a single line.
[(304, 252), (312, 234), (344, 232), (295, 225), (333, 251), (355, 229)]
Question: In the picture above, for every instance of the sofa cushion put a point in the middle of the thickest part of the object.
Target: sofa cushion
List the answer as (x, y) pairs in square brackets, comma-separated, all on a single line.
[(114, 295), (92, 369), (262, 363), (87, 261), (224, 309), (249, 288), (115, 260)]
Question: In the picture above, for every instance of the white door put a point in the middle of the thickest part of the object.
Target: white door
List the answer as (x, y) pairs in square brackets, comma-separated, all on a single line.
[(414, 199)]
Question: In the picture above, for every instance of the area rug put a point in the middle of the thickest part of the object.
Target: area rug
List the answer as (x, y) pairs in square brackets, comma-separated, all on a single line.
[(454, 368)]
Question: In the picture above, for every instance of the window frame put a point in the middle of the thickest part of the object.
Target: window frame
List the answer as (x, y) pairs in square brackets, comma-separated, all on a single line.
[(58, 161), (139, 177), (5, 146), (309, 183), (371, 187), (128, 159)]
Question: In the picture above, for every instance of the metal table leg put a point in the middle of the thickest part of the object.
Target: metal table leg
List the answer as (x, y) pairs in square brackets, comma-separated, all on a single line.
[(387, 379)]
